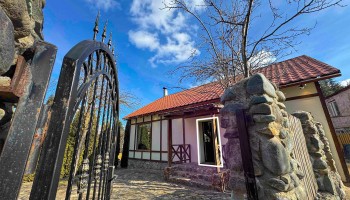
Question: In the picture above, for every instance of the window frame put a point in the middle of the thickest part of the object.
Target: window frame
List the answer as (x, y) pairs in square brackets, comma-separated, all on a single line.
[(137, 140), (333, 109)]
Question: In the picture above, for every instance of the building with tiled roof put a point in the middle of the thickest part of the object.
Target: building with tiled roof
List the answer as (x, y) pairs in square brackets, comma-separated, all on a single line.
[(161, 128), (295, 71)]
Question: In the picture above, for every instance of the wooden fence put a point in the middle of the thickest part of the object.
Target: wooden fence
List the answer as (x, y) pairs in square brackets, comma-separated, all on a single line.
[(344, 138), (302, 156)]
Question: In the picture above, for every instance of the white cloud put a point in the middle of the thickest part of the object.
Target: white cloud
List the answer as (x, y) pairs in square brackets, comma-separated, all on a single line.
[(104, 5), (143, 39), (345, 82), (162, 31), (262, 59)]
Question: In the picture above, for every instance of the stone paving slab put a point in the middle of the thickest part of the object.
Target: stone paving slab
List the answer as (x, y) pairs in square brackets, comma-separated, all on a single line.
[(134, 184), (141, 184), (146, 184)]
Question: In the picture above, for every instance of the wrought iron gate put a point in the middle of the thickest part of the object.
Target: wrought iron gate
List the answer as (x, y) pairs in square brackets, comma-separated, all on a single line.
[(84, 112)]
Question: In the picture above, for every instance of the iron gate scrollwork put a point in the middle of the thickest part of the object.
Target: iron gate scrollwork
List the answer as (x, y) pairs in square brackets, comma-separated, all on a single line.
[(85, 114)]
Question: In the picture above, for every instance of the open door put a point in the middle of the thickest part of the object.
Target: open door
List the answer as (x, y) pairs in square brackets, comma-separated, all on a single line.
[(209, 147)]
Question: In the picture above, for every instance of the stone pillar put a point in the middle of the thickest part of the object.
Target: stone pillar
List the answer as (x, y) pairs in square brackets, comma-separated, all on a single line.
[(329, 181), (232, 148), (277, 172)]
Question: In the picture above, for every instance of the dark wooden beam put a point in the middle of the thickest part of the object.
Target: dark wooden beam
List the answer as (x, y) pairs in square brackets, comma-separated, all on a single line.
[(302, 97), (161, 140), (170, 142)]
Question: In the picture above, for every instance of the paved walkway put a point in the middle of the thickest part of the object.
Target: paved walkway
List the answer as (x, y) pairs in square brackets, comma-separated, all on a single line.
[(142, 184), (149, 184)]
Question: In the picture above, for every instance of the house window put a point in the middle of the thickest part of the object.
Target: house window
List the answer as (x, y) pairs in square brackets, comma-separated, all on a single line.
[(144, 136), (333, 109)]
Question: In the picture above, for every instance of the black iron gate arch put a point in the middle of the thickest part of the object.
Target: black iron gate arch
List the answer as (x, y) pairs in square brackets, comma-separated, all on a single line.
[(85, 114)]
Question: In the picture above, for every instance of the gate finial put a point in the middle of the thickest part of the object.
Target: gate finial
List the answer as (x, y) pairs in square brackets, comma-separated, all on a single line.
[(96, 25), (104, 35), (110, 40)]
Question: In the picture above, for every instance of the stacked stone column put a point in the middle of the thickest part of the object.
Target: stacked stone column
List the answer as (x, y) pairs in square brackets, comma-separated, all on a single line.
[(277, 172), (329, 182)]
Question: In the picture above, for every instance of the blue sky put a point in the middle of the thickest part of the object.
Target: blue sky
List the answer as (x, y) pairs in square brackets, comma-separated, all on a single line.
[(150, 41)]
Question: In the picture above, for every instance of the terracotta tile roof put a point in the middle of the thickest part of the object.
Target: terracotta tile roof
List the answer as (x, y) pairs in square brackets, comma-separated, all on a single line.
[(292, 71), (299, 69)]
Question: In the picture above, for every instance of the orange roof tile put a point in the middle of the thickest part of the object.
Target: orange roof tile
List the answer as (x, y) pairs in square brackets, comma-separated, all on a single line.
[(292, 71)]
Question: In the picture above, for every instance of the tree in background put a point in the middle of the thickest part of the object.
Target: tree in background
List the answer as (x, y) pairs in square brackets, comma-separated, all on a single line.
[(330, 86), (240, 36)]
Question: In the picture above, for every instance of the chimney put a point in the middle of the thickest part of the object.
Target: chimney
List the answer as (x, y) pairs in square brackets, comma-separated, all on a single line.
[(165, 91)]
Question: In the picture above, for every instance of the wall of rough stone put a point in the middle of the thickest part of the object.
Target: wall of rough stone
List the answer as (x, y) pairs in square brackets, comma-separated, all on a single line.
[(328, 180), (143, 164), (21, 23), (277, 172)]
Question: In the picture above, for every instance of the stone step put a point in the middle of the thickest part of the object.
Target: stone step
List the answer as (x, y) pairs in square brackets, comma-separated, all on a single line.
[(194, 167), (193, 175), (191, 182)]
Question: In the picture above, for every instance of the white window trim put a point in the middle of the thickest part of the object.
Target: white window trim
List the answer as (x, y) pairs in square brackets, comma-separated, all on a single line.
[(219, 136)]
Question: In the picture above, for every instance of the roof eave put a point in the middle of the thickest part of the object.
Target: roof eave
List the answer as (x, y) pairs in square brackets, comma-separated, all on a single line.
[(312, 80)]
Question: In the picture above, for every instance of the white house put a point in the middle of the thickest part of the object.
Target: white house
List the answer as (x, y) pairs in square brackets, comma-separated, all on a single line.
[(185, 126)]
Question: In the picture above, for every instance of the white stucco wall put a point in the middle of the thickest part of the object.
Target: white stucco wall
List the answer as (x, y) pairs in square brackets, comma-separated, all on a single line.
[(177, 131), (132, 140), (156, 136)]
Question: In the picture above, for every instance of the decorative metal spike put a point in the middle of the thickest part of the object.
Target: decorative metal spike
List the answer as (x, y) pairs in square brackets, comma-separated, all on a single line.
[(104, 35), (98, 166), (106, 161), (83, 179), (96, 25), (113, 51), (110, 40)]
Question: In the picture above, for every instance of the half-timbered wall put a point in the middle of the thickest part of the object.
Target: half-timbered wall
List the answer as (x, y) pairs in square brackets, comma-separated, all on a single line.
[(183, 132), (158, 135)]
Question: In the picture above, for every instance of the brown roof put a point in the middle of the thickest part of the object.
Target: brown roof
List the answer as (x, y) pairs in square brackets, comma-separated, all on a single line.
[(297, 70)]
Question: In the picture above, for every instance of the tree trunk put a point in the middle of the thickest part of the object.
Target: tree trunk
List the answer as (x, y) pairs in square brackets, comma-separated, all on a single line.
[(117, 148), (125, 155)]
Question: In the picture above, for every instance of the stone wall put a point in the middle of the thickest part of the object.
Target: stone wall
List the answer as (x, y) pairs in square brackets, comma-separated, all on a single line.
[(328, 180), (143, 164), (21, 23), (277, 172)]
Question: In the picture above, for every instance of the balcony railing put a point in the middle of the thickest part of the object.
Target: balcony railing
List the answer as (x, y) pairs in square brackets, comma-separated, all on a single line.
[(181, 153)]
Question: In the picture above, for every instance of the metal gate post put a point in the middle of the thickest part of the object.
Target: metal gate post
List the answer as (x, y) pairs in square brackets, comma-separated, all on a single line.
[(246, 153), (17, 146)]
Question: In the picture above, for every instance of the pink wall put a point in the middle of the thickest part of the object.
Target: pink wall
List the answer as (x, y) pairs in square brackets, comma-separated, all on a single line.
[(343, 101), (191, 135)]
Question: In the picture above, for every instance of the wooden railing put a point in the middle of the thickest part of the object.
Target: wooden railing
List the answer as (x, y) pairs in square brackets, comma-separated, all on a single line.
[(181, 152)]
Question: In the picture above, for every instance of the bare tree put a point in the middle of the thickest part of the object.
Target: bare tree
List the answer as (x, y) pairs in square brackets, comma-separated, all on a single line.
[(235, 38)]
